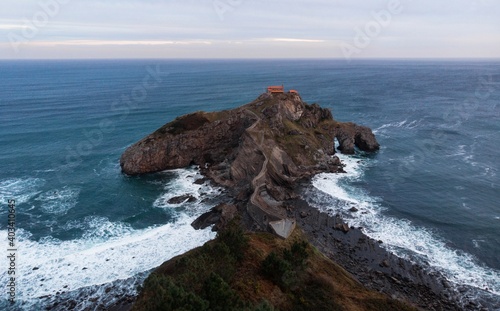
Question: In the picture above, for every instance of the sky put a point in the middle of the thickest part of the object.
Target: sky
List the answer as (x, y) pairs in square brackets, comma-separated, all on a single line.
[(350, 29)]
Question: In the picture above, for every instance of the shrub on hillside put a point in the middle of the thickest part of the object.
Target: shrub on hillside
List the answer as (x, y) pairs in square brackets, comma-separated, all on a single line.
[(164, 294)]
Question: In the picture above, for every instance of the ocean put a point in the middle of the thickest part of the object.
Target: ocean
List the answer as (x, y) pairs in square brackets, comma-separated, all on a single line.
[(430, 194)]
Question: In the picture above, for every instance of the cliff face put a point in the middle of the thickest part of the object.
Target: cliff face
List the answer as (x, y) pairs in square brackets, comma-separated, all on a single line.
[(258, 150)]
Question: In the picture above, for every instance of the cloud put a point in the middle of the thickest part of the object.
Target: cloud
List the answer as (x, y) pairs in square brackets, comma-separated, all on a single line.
[(11, 26), (117, 42), (296, 40), (313, 27)]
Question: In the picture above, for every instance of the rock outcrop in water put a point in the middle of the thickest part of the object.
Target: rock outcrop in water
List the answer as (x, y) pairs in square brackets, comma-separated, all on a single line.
[(264, 153), (258, 150)]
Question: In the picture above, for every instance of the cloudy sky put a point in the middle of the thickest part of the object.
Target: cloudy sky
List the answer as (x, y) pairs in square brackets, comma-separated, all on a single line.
[(249, 29)]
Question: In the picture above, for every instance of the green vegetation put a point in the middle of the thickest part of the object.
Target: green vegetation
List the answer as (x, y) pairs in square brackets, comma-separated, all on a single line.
[(188, 122), (256, 272), (301, 142), (169, 296), (199, 280), (284, 270)]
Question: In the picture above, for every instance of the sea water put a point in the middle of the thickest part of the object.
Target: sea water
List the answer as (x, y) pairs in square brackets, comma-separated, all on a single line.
[(431, 193)]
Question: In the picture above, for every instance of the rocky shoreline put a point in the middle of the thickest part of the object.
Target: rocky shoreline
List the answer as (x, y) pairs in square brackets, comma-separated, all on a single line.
[(365, 258), (263, 153), (375, 267)]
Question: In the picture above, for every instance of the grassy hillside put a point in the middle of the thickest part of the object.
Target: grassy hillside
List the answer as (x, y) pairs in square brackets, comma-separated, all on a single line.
[(257, 271)]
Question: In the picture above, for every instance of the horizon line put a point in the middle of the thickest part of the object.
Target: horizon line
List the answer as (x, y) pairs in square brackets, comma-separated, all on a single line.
[(255, 58)]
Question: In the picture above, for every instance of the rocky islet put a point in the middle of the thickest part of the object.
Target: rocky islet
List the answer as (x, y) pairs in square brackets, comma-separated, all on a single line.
[(263, 153)]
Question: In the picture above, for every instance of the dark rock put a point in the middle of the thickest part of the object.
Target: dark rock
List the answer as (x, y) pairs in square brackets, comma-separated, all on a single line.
[(190, 139), (395, 280), (342, 227), (385, 264), (365, 139), (353, 209), (227, 213), (219, 216), (295, 132), (243, 194), (350, 135), (200, 181), (446, 284), (206, 220), (182, 199)]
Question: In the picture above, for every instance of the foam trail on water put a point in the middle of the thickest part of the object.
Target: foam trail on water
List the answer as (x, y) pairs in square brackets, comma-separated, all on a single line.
[(20, 189), (49, 266), (59, 201), (106, 251), (399, 235), (401, 124)]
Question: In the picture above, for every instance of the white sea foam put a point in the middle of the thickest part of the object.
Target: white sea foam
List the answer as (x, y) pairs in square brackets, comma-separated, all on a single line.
[(45, 171), (58, 201), (112, 251), (401, 236), (106, 251), (185, 185), (482, 169), (23, 190), (477, 243), (401, 124), (459, 152), (388, 125), (20, 189), (107, 167)]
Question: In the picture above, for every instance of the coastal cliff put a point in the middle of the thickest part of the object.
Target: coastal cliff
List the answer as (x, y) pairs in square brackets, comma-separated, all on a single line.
[(264, 154), (259, 151)]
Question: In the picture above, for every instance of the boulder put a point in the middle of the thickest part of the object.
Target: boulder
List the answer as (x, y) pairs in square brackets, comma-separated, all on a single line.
[(182, 199), (350, 135), (219, 216)]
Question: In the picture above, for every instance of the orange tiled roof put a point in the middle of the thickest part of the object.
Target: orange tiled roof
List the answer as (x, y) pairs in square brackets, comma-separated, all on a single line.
[(276, 89)]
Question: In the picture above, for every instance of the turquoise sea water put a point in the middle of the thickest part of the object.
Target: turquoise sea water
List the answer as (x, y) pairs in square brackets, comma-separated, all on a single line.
[(431, 193)]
